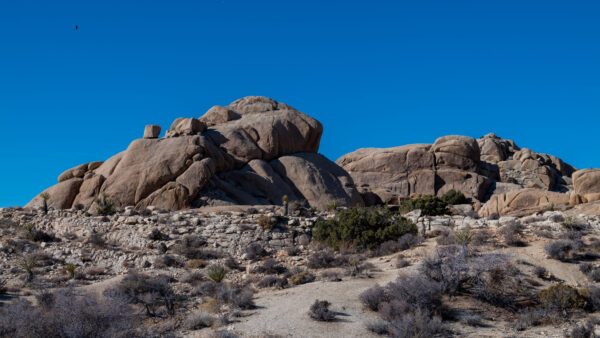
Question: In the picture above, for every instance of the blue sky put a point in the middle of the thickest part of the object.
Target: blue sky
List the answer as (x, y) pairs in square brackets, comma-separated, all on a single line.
[(375, 73)]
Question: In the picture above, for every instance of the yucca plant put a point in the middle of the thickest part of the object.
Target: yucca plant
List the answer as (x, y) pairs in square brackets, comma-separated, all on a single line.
[(45, 197), (216, 273)]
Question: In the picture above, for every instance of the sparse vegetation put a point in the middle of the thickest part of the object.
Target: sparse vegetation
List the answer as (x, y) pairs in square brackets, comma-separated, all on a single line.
[(364, 228), (216, 273), (105, 206), (319, 310), (302, 277), (266, 222), (429, 206)]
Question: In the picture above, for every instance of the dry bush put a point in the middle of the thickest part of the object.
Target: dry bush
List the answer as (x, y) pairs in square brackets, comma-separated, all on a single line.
[(70, 313), (272, 281), (271, 266), (254, 252), (562, 250), (319, 310), (199, 320), (302, 277), (331, 276), (326, 259)]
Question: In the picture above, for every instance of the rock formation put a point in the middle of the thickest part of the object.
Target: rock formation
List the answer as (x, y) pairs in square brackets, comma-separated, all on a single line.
[(254, 151), (487, 169)]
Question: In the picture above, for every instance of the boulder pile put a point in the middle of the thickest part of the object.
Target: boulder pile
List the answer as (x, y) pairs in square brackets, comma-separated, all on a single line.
[(253, 151)]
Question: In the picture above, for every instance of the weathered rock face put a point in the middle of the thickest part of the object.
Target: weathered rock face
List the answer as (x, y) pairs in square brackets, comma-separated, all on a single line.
[(481, 169), (255, 151), (522, 202), (586, 185)]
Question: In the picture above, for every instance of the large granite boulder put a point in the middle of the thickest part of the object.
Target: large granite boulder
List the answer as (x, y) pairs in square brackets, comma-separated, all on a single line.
[(522, 202), (586, 184), (482, 169), (253, 151)]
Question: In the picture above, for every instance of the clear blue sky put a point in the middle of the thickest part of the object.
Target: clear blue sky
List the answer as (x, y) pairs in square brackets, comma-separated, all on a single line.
[(375, 73)]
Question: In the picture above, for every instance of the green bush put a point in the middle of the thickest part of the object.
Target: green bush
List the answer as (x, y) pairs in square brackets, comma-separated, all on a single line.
[(429, 205), (562, 297), (453, 197), (106, 206), (216, 273), (365, 228)]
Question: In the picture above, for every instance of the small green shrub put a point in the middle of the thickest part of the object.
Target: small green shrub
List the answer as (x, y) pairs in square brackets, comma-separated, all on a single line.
[(429, 206), (216, 273), (266, 222), (70, 268), (302, 278), (562, 297), (364, 228), (572, 223), (453, 197), (106, 206), (463, 237), (333, 205)]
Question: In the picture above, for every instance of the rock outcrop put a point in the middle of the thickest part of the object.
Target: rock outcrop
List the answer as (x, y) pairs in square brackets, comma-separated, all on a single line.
[(586, 184), (253, 151), (483, 169)]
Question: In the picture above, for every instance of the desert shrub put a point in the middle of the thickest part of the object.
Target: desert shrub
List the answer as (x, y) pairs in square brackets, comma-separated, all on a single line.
[(105, 206), (192, 277), (165, 261), (331, 276), (540, 271), (325, 259), (237, 297), (593, 293), (272, 281), (302, 278), (364, 228), (592, 272), (446, 237), (266, 222), (463, 237), (66, 313), (380, 327), (151, 292), (583, 330), (319, 310), (572, 223), (293, 251), (562, 297), (401, 262), (416, 325), (561, 249), (372, 297), (216, 273), (271, 266), (199, 320), (405, 242), (530, 317), (512, 234), (231, 263), (96, 240), (254, 251), (157, 235), (571, 235), (37, 235), (196, 263), (242, 298), (333, 205), (70, 268), (429, 206), (452, 197)]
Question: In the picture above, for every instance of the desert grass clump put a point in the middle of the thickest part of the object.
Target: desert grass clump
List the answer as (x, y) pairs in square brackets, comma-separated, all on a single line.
[(266, 222), (319, 310), (326, 259), (45, 196), (216, 273), (199, 320), (561, 250), (302, 277), (196, 264), (272, 281), (71, 268)]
